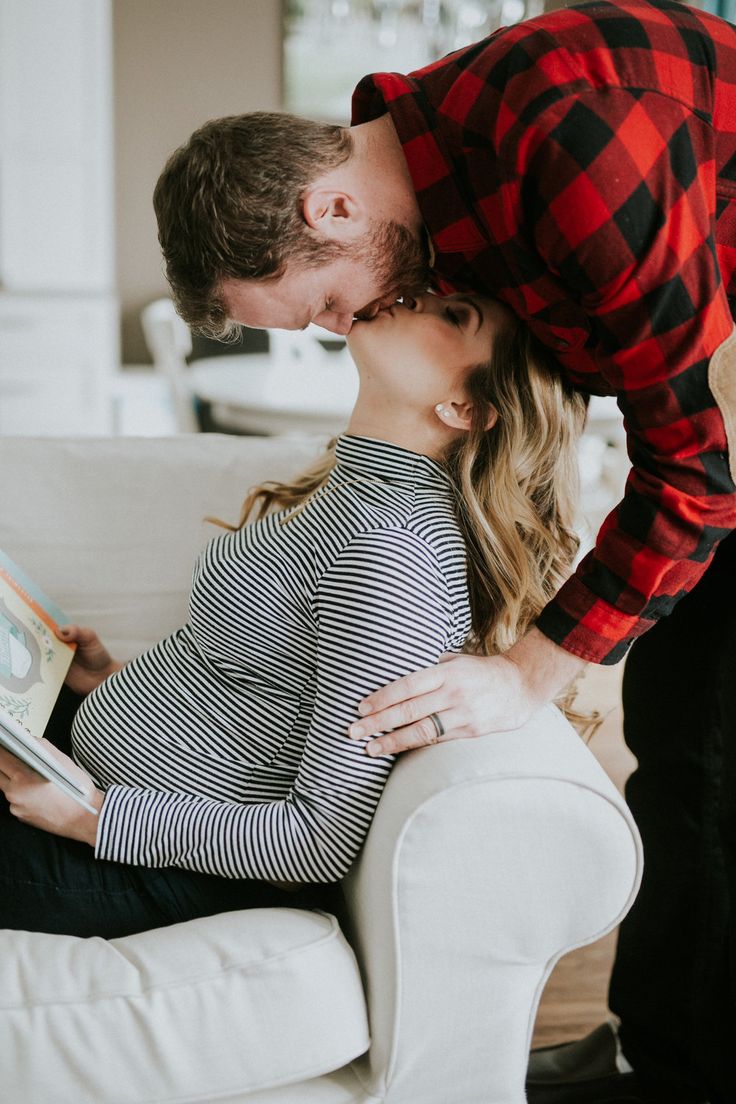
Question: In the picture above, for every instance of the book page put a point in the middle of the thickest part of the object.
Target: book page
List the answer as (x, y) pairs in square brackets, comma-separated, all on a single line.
[(33, 661)]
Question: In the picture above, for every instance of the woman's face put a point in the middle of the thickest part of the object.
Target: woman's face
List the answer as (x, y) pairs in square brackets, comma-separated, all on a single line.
[(421, 351)]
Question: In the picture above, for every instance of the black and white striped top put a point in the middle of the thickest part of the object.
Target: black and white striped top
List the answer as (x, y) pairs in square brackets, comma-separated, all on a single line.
[(224, 748)]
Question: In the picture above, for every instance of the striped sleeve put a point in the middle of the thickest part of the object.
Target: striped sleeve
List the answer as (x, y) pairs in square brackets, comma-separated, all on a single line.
[(382, 609)]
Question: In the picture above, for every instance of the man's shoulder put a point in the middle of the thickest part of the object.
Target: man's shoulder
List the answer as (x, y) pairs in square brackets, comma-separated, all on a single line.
[(596, 44), (607, 25)]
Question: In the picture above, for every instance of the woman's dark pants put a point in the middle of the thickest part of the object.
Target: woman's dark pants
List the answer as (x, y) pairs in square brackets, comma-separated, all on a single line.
[(52, 884)]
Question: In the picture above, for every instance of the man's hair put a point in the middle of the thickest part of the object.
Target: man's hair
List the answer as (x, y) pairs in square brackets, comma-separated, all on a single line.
[(228, 204)]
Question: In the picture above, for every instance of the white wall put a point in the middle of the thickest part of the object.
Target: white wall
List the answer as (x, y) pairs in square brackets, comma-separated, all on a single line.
[(177, 63)]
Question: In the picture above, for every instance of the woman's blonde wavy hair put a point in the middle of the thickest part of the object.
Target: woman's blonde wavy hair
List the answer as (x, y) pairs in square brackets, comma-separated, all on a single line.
[(517, 491), (517, 486)]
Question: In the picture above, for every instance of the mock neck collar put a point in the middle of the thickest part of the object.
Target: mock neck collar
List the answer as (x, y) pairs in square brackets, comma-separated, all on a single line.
[(374, 459)]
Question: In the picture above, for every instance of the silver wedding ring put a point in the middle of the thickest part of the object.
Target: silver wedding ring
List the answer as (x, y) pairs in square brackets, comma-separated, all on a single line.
[(438, 725)]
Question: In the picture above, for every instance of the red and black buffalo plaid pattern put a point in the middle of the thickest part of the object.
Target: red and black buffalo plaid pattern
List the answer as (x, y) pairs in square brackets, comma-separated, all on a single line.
[(582, 167)]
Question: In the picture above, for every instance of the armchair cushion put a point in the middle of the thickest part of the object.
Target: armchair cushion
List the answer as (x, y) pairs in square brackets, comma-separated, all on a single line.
[(233, 1003)]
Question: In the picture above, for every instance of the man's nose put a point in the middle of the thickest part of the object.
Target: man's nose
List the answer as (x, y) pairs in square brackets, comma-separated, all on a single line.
[(335, 323)]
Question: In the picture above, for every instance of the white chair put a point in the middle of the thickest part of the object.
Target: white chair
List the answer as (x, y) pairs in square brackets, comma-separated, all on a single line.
[(290, 346), (170, 343)]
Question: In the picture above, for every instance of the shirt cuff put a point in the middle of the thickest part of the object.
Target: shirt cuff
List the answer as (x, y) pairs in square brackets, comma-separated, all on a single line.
[(120, 833), (588, 626)]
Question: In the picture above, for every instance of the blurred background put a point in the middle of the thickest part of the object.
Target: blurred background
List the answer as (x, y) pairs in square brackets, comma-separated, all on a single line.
[(94, 95)]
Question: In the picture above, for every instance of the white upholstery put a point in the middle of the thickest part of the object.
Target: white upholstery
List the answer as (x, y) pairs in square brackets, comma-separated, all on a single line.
[(290, 975), (487, 859)]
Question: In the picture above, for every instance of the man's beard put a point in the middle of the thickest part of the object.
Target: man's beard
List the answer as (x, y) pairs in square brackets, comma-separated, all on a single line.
[(398, 260)]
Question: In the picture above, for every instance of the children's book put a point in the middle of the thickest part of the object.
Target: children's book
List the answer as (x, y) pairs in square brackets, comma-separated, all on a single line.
[(33, 666)]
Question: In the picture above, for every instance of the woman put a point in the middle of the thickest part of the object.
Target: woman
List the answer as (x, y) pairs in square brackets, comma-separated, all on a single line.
[(219, 760)]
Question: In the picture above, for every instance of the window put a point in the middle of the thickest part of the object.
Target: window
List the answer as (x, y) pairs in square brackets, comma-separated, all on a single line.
[(330, 44)]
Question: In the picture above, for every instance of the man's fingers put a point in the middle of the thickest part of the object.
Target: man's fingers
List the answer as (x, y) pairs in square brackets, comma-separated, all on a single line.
[(399, 716), (448, 657), (418, 735), (410, 686)]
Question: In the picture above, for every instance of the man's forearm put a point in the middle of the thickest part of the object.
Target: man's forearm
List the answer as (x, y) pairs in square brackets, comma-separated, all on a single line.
[(545, 668)]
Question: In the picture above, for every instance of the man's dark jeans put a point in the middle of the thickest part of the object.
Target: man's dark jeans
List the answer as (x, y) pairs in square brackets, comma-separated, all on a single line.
[(52, 884), (673, 983)]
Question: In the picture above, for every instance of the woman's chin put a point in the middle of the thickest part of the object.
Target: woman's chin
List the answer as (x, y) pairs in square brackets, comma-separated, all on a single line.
[(361, 326)]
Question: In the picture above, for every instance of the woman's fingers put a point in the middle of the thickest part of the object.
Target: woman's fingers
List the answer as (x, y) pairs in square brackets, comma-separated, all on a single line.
[(11, 765), (77, 634)]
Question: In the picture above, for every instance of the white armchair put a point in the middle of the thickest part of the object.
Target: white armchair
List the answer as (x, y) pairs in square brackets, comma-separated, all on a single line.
[(486, 860)]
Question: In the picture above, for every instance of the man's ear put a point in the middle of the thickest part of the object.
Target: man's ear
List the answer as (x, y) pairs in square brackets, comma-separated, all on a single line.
[(459, 415), (333, 214)]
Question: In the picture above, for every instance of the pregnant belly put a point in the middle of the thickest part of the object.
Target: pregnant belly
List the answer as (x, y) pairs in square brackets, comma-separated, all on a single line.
[(166, 722)]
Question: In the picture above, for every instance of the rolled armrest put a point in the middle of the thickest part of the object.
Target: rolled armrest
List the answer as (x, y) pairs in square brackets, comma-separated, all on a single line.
[(486, 861)]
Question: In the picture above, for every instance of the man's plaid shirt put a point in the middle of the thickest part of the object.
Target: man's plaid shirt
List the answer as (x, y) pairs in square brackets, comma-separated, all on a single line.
[(582, 167)]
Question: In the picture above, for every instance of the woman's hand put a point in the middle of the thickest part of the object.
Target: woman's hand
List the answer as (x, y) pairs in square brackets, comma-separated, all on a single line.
[(34, 800), (470, 695), (92, 662)]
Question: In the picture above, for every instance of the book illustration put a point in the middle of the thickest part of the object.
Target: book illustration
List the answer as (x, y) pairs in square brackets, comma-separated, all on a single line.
[(18, 708), (23, 649), (20, 654), (16, 659), (33, 661), (33, 666)]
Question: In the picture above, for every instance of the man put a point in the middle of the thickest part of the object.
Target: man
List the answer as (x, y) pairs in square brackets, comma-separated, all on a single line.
[(582, 168)]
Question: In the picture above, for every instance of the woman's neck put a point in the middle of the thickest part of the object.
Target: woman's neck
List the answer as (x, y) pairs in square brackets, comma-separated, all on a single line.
[(409, 429)]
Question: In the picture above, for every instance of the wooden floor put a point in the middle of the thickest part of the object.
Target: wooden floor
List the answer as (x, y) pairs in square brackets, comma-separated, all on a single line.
[(574, 1000)]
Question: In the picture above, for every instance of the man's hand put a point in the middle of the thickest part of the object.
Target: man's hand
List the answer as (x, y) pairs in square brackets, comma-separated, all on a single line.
[(34, 800), (92, 662), (471, 695)]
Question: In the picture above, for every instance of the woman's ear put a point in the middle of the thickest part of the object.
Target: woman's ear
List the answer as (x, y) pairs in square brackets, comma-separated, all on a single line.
[(459, 415), (333, 213)]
